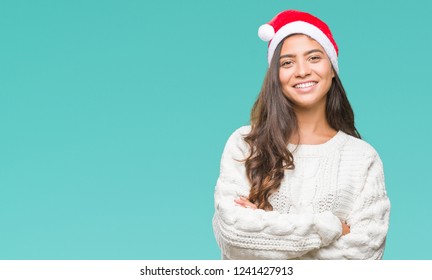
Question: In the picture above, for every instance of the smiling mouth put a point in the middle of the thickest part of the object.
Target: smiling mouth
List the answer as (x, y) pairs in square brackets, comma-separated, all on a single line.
[(305, 85)]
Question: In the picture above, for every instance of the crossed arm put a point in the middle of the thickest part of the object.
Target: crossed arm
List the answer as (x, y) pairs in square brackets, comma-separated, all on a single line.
[(245, 203), (244, 232)]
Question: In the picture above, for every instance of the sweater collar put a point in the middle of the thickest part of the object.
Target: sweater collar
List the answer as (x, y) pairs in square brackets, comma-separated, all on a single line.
[(332, 144)]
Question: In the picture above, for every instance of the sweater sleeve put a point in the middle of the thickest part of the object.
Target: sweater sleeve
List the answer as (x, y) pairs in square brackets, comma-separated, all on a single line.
[(244, 233), (369, 221)]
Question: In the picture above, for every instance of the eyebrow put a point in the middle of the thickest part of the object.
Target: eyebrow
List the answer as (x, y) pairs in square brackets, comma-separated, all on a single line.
[(306, 53)]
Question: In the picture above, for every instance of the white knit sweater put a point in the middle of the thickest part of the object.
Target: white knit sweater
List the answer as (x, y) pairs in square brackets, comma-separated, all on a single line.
[(341, 179)]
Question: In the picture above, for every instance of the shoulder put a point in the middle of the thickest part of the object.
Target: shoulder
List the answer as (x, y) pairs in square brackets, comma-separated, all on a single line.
[(359, 155), (236, 140), (239, 134), (361, 164), (241, 131), (359, 148)]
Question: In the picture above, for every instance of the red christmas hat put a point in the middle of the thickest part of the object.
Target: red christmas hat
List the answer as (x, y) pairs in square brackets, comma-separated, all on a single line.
[(295, 22)]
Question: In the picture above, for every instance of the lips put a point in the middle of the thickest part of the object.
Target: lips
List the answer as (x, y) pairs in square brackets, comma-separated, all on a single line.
[(305, 84)]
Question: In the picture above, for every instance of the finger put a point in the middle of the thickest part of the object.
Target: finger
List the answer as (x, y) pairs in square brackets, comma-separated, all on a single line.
[(245, 203), (240, 202), (250, 205)]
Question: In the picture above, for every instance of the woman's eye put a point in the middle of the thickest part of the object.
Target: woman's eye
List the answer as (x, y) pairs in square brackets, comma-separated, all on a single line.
[(286, 63), (314, 58)]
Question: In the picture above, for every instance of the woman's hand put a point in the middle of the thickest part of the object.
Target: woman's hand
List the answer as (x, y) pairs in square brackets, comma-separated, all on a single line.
[(244, 202), (345, 228)]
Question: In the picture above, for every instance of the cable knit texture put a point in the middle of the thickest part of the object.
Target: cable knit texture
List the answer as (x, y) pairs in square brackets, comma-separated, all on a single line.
[(341, 179)]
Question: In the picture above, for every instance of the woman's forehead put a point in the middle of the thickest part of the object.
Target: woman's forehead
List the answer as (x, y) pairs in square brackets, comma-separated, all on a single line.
[(300, 43)]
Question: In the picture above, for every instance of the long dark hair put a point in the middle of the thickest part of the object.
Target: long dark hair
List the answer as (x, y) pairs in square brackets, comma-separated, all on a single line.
[(273, 121)]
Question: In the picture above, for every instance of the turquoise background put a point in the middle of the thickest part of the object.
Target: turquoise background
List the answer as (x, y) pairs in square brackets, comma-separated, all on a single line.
[(114, 114)]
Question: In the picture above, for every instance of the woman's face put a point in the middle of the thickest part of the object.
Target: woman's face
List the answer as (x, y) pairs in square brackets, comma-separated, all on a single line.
[(305, 72)]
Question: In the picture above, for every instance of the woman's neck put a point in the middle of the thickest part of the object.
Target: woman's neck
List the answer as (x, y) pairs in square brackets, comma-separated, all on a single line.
[(313, 127)]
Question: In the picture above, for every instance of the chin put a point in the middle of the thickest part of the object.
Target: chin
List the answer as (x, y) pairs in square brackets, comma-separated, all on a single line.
[(307, 105)]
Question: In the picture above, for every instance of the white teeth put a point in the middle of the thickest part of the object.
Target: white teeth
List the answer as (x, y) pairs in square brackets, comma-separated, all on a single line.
[(305, 85)]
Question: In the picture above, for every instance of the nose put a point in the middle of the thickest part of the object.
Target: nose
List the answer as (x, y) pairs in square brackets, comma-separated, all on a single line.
[(303, 69)]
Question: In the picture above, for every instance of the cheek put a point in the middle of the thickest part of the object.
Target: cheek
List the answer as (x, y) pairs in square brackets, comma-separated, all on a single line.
[(284, 77), (281, 78), (326, 71)]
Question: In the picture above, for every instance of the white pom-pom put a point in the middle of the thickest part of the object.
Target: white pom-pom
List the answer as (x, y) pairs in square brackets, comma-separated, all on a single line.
[(266, 32)]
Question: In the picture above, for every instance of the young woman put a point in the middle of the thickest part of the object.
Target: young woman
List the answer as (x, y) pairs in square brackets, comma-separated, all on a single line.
[(299, 183)]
